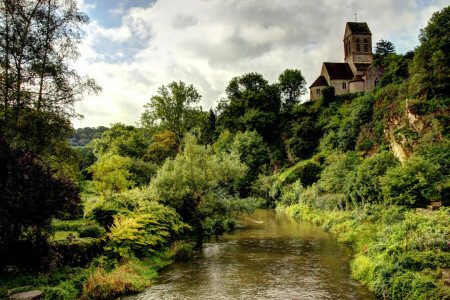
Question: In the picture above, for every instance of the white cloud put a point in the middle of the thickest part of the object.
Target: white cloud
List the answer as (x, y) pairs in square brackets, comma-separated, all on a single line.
[(206, 43)]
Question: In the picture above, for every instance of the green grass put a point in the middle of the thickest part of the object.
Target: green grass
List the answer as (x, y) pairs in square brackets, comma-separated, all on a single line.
[(88, 191), (60, 235)]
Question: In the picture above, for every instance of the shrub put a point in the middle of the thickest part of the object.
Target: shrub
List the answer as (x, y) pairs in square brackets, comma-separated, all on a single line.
[(93, 231), (141, 233), (108, 285), (30, 196), (181, 251), (363, 184), (328, 95), (411, 184), (308, 173), (335, 175)]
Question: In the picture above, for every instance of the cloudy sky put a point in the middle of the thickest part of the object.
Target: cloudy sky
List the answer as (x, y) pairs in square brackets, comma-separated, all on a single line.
[(135, 46)]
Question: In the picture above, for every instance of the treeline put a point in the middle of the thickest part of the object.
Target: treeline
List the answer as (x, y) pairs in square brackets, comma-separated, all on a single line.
[(83, 136)]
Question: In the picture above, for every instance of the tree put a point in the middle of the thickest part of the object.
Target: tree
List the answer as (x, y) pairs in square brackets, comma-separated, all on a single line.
[(305, 136), (292, 86), (209, 129), (384, 48), (30, 196), (252, 152), (165, 146), (328, 95), (173, 108), (252, 104), (38, 42), (123, 140), (431, 64), (190, 182)]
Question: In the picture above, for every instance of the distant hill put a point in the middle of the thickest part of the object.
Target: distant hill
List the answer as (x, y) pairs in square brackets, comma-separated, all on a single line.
[(83, 136)]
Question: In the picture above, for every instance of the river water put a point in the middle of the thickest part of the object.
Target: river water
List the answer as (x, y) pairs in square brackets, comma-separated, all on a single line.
[(268, 256)]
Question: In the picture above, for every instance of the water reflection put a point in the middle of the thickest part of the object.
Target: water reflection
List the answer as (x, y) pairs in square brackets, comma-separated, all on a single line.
[(269, 256)]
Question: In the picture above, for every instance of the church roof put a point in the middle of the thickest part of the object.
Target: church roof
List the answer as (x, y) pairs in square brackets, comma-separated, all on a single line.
[(359, 28), (320, 81), (357, 78), (338, 70)]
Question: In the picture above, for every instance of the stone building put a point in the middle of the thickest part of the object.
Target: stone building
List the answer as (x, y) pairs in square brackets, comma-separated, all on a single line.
[(356, 73)]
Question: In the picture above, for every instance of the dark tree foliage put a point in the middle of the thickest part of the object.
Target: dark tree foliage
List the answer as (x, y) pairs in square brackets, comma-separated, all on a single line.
[(395, 68), (86, 159), (252, 104), (309, 173), (305, 135), (209, 129), (431, 64), (292, 86), (83, 136), (328, 94), (30, 196), (384, 48)]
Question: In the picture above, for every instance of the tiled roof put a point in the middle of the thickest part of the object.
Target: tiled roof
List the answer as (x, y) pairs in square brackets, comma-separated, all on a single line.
[(339, 70), (320, 81), (356, 78), (359, 28)]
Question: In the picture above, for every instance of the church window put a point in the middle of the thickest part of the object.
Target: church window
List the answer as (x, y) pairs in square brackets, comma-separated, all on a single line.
[(358, 45), (376, 82), (344, 85), (346, 49), (366, 45), (318, 93)]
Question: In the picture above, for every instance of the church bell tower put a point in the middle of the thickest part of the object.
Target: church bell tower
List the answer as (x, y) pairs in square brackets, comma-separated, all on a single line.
[(357, 43)]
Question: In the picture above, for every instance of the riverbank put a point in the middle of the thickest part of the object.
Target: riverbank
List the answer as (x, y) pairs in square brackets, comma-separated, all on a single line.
[(399, 253), (103, 278)]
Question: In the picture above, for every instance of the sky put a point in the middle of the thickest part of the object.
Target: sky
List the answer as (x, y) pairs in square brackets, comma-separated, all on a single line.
[(132, 47)]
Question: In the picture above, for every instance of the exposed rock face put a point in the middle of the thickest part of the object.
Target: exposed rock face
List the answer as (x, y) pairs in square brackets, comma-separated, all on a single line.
[(31, 295), (397, 150)]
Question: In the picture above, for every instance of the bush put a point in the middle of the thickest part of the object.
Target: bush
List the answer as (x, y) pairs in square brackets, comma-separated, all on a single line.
[(328, 95), (335, 175), (93, 231), (181, 251), (308, 173), (411, 184), (143, 232), (30, 196), (363, 184)]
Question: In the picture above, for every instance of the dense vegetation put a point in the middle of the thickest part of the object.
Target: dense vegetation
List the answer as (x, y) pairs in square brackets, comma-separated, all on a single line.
[(359, 165)]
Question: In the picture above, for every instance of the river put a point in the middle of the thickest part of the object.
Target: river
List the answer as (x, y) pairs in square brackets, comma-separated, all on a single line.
[(268, 256)]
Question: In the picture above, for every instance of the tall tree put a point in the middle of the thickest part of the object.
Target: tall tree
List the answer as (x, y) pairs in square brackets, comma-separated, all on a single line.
[(431, 64), (252, 104), (384, 48), (292, 86), (208, 129), (173, 108), (38, 42)]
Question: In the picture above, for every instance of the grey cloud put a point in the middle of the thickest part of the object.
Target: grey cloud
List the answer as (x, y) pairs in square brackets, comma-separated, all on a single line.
[(206, 43), (181, 21)]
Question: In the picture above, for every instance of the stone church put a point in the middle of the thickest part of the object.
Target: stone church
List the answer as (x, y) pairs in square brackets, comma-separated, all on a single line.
[(356, 74)]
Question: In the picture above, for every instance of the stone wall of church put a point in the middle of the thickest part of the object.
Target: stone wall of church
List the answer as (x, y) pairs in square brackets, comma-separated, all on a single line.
[(315, 92), (372, 77), (340, 86), (356, 86)]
